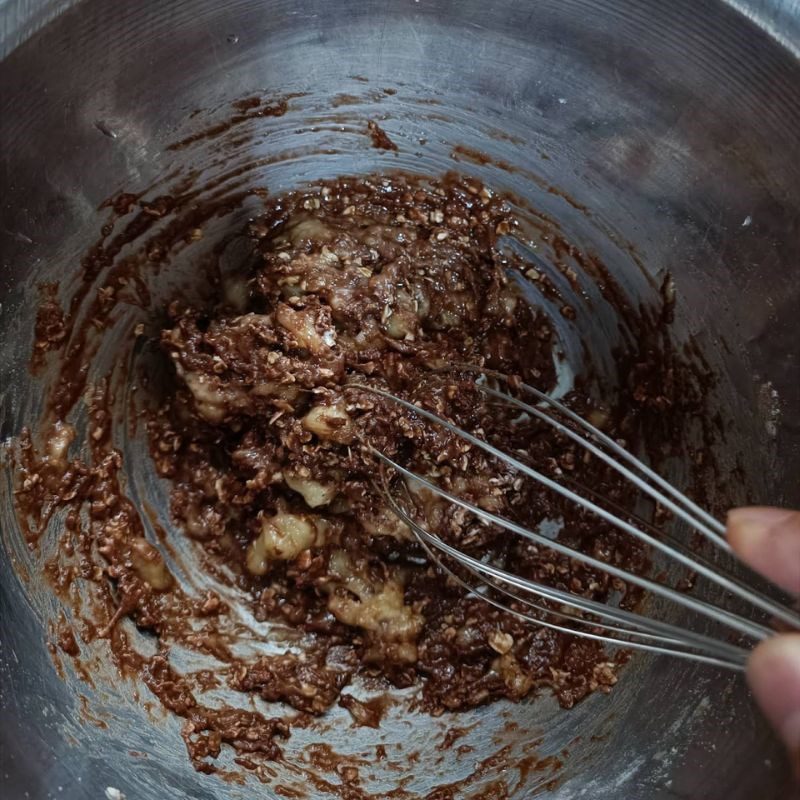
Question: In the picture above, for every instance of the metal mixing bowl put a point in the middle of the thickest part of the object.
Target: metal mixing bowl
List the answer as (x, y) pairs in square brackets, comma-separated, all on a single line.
[(661, 136)]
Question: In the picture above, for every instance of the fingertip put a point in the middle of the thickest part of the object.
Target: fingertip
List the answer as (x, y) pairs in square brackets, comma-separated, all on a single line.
[(773, 673), (768, 540), (745, 531)]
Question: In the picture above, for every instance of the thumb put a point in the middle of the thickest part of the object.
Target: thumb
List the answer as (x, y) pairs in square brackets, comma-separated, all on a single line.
[(774, 676), (768, 539)]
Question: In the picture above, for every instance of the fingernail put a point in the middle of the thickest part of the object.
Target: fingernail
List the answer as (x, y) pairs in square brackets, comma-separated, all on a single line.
[(774, 677), (756, 521)]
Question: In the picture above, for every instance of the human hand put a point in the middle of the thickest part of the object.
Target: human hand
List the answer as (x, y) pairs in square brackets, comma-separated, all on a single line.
[(768, 539)]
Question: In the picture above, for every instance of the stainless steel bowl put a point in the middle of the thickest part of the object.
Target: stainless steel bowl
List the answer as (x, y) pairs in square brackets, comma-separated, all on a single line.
[(664, 137)]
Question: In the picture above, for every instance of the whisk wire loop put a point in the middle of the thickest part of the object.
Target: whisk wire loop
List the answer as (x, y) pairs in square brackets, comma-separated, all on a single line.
[(606, 623)]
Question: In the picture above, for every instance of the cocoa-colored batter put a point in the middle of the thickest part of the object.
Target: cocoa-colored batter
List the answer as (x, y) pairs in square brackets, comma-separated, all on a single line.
[(265, 435), (379, 282)]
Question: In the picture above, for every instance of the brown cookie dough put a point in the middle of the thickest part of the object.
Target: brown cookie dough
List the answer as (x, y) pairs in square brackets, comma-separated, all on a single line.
[(380, 282)]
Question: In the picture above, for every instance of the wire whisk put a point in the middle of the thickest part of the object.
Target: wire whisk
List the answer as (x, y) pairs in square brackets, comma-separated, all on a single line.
[(567, 611)]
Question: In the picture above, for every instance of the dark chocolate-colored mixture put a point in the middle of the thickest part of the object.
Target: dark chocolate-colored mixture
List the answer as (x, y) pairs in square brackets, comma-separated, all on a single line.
[(267, 439), (266, 433)]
